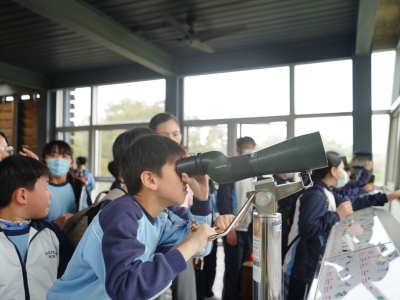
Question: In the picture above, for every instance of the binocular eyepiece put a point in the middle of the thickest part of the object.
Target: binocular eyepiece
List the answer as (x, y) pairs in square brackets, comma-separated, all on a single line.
[(303, 153)]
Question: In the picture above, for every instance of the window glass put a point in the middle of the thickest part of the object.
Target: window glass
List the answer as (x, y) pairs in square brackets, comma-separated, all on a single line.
[(264, 135), (208, 138), (238, 94), (323, 87), (380, 133), (336, 132), (382, 72), (133, 102), (101, 186), (106, 139), (79, 141), (77, 107)]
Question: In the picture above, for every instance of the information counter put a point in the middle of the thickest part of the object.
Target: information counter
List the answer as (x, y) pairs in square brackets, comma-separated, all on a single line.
[(361, 259)]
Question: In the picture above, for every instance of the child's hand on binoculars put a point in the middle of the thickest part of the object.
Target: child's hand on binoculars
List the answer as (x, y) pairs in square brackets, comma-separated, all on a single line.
[(198, 184)]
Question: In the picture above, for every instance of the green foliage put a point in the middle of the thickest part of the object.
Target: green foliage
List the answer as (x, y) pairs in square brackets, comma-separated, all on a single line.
[(124, 111), (215, 139), (133, 111)]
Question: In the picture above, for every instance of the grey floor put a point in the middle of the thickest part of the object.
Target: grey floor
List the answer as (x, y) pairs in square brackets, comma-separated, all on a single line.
[(218, 283)]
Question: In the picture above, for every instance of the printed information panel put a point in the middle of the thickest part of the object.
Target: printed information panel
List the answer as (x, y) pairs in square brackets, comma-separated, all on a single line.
[(360, 261)]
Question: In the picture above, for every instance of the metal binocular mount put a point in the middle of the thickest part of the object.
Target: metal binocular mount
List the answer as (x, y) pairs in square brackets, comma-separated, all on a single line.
[(267, 235)]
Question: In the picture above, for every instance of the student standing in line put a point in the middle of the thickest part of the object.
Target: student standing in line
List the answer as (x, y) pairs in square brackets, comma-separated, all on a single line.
[(33, 251), (237, 243), (317, 210), (82, 173), (134, 246), (69, 193), (184, 285)]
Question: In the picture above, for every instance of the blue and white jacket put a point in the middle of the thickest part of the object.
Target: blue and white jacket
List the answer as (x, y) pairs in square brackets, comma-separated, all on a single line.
[(120, 256), (48, 254), (314, 216)]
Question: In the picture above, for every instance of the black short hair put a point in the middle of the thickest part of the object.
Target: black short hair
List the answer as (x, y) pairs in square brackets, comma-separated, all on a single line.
[(113, 169), (80, 160), (244, 140), (5, 137), (161, 118), (334, 161), (125, 139), (63, 148), (148, 153), (19, 172)]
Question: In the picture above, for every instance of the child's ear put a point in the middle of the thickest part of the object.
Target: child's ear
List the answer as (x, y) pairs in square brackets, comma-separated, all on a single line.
[(20, 196), (148, 180)]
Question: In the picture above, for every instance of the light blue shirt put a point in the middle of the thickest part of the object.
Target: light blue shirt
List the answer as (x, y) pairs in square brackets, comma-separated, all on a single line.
[(63, 200), (21, 242)]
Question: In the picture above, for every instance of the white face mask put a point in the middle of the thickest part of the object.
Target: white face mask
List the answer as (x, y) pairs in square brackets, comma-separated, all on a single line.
[(342, 182), (247, 151)]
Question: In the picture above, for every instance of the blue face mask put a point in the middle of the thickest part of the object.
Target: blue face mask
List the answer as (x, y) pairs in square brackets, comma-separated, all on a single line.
[(342, 182), (58, 166), (247, 151)]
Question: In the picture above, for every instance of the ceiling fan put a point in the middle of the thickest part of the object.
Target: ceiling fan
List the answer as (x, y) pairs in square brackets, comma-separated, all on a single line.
[(198, 39)]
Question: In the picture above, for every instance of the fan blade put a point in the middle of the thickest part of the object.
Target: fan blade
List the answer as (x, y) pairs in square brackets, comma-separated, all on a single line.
[(202, 46), (211, 34), (177, 25)]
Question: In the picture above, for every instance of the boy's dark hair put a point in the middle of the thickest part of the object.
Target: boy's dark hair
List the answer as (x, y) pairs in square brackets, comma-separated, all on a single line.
[(63, 148), (148, 153), (5, 137), (161, 118), (334, 161), (81, 160), (244, 140), (19, 172), (125, 139), (113, 169)]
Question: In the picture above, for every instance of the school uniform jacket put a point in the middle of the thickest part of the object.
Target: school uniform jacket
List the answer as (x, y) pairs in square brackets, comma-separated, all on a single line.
[(314, 216), (48, 254), (119, 255)]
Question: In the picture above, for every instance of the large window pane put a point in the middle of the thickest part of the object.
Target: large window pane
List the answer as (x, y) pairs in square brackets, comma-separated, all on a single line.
[(106, 140), (130, 102), (79, 141), (336, 132), (380, 133), (77, 107), (382, 72), (239, 94), (264, 135), (208, 138), (323, 87)]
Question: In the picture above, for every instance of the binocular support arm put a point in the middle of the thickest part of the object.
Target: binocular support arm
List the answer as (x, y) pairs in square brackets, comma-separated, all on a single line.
[(270, 194), (239, 217)]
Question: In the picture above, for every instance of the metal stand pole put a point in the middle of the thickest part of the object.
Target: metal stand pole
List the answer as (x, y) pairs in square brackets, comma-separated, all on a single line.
[(267, 269), (267, 235)]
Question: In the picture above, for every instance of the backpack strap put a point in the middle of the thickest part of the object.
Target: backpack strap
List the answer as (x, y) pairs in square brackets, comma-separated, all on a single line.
[(292, 242)]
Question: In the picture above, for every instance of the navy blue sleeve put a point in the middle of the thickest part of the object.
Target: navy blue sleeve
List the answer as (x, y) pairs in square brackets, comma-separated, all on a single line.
[(362, 201), (314, 218), (361, 180), (354, 191), (180, 211), (88, 198), (126, 275), (224, 200)]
